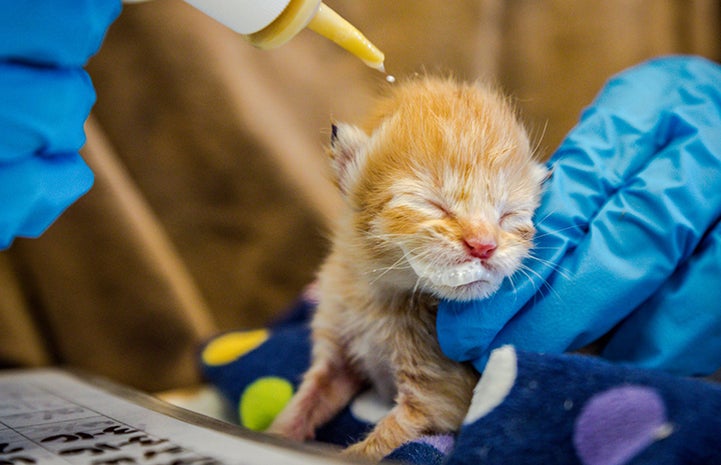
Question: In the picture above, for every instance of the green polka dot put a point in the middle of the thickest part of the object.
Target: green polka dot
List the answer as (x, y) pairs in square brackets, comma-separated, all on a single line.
[(262, 400)]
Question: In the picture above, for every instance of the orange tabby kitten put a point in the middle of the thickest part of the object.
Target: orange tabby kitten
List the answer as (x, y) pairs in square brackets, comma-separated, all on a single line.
[(440, 186)]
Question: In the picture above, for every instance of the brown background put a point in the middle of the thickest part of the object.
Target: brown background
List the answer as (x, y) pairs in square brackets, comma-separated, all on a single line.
[(211, 195)]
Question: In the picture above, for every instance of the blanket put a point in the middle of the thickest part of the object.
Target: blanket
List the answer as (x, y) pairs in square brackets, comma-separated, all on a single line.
[(528, 408)]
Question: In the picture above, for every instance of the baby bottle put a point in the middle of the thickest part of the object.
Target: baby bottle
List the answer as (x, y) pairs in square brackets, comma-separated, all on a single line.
[(271, 23)]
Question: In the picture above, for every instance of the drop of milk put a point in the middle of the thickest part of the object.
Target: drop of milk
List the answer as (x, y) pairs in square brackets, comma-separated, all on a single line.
[(390, 78)]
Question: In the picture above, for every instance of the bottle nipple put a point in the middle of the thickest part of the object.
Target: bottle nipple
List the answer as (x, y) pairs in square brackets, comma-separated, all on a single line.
[(318, 17), (334, 27)]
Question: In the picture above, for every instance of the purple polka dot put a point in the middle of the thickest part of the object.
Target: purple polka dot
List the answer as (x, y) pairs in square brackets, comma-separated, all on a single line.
[(442, 442), (616, 425)]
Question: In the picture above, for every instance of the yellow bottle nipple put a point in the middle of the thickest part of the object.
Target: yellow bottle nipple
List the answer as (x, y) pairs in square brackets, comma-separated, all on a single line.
[(323, 20), (332, 26)]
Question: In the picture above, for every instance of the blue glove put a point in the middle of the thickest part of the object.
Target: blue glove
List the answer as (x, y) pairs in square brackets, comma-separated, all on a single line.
[(45, 97), (628, 233)]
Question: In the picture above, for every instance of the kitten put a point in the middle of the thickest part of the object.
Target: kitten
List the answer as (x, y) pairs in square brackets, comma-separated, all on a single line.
[(440, 186)]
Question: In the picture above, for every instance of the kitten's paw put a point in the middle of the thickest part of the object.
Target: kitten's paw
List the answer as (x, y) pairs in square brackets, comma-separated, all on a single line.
[(295, 429), (364, 451)]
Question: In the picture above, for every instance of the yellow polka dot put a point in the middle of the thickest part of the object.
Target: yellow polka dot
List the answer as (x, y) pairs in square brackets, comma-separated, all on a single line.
[(262, 400), (228, 347)]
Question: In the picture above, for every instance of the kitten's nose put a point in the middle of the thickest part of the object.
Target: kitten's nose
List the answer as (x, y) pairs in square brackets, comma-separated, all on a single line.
[(480, 248)]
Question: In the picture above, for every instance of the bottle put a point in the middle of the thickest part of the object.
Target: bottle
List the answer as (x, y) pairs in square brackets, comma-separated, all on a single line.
[(271, 23)]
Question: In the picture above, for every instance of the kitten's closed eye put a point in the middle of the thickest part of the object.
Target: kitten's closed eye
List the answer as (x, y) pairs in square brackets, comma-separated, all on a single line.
[(505, 217), (440, 207), (519, 223), (512, 218), (426, 204)]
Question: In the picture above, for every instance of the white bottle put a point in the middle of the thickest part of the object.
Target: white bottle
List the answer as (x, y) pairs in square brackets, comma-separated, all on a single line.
[(271, 23)]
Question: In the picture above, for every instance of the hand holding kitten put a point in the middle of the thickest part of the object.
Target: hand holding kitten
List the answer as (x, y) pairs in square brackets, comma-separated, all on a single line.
[(628, 233)]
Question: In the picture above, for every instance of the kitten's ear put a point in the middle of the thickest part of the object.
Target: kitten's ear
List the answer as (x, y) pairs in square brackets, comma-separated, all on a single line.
[(347, 152)]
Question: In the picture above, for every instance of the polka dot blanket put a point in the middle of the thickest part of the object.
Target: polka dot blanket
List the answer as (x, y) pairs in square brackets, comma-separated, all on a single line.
[(527, 408)]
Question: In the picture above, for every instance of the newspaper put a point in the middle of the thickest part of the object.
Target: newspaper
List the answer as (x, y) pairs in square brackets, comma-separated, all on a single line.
[(53, 416)]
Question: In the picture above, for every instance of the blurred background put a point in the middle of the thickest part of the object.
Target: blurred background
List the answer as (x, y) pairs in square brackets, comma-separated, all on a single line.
[(211, 201)]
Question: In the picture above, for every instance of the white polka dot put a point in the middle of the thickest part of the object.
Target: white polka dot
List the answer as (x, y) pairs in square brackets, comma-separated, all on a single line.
[(663, 431), (370, 407), (495, 384)]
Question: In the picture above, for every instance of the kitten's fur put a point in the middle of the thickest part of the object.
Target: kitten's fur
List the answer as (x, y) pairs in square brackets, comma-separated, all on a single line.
[(440, 185)]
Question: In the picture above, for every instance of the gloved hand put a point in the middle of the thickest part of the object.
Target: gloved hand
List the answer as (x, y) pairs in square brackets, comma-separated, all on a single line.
[(45, 97), (628, 233)]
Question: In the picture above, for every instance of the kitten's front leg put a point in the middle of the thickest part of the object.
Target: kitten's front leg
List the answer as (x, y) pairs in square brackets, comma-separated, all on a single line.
[(327, 387), (406, 421), (436, 405)]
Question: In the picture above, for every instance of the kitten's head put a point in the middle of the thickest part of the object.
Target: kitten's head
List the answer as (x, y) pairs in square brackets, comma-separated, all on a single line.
[(441, 186)]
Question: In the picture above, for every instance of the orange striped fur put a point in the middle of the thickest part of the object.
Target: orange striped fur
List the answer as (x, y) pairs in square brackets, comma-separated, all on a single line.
[(439, 167)]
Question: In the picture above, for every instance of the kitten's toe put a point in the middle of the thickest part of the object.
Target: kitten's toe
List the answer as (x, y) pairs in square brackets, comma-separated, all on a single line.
[(363, 451), (294, 429)]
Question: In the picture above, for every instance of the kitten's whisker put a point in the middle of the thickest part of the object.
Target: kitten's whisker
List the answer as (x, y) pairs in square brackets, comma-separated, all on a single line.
[(554, 232), (537, 145), (525, 272), (565, 273), (541, 220), (544, 282), (416, 292), (521, 273), (385, 270), (396, 265), (512, 282), (423, 256), (385, 235), (529, 273)]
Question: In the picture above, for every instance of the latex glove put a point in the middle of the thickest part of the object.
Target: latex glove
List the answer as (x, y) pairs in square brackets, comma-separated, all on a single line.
[(45, 98), (628, 233)]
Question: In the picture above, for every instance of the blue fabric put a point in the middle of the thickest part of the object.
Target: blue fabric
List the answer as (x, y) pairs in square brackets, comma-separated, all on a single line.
[(578, 410), (551, 409), (628, 233), (428, 450), (45, 98)]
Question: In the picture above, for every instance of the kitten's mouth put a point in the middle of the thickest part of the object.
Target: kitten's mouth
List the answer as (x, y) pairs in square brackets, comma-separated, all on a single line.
[(460, 275), (455, 276)]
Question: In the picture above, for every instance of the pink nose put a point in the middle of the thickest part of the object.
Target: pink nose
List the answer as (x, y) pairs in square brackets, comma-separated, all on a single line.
[(480, 248)]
